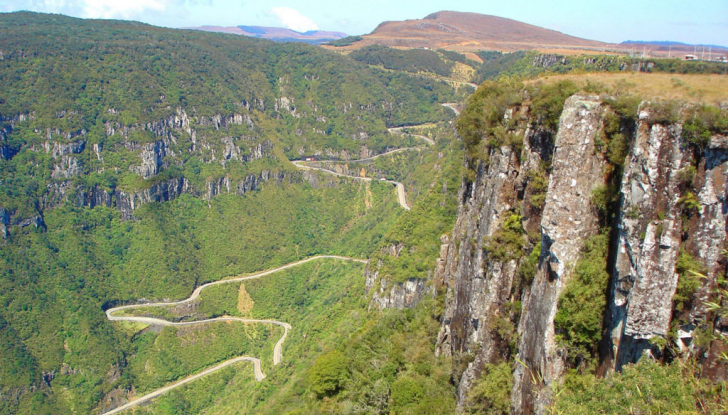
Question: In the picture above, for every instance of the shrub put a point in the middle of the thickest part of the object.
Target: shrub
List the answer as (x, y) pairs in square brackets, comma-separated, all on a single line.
[(578, 321), (492, 392), (625, 105), (484, 114), (548, 102), (405, 392), (704, 122), (663, 113), (507, 242), (328, 374), (529, 266), (603, 196), (645, 388), (539, 185), (687, 283), (689, 202), (687, 174)]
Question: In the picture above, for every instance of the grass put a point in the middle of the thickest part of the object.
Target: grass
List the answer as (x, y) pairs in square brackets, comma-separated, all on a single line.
[(703, 89)]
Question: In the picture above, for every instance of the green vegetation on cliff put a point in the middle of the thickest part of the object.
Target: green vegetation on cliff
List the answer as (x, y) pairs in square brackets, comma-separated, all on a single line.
[(55, 284), (533, 63), (106, 106)]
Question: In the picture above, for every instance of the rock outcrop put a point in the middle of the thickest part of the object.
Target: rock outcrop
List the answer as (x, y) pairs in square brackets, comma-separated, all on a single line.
[(480, 288), (386, 294), (568, 220), (657, 222), (657, 219), (165, 191), (649, 232)]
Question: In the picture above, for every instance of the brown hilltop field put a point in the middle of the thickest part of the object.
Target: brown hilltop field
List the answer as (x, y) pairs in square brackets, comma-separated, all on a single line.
[(688, 88), (469, 32)]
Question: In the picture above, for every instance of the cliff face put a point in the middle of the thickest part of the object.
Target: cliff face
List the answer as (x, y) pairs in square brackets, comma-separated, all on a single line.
[(649, 232), (568, 220), (652, 227), (656, 226), (150, 151), (478, 289), (392, 295)]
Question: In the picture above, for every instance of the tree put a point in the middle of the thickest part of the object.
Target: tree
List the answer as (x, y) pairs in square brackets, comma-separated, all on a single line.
[(329, 373)]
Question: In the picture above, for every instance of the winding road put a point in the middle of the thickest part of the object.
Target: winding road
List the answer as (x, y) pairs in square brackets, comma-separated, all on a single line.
[(401, 196), (453, 106), (399, 130), (259, 375), (277, 349), (398, 150)]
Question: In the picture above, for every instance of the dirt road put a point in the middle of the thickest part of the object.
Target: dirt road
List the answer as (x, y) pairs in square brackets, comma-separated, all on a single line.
[(400, 130), (401, 197), (452, 106), (259, 376)]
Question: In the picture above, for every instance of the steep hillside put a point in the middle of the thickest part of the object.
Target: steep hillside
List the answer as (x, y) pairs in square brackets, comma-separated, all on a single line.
[(120, 114), (561, 248)]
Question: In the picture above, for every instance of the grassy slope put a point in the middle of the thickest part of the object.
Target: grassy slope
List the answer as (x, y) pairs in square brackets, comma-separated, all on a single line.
[(705, 89)]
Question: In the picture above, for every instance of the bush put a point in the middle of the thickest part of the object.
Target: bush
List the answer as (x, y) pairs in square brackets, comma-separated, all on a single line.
[(484, 114), (705, 121), (405, 392), (528, 268), (687, 283), (329, 373), (578, 321), (603, 196), (538, 182), (548, 102), (689, 202), (507, 243), (625, 105), (645, 388), (492, 392)]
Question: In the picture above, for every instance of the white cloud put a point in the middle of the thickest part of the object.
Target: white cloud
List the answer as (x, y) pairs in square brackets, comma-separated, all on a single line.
[(108, 9), (105, 9), (294, 20)]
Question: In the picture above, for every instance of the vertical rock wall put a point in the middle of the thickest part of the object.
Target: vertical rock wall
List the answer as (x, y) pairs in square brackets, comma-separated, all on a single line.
[(479, 289), (649, 232), (476, 289), (568, 220), (653, 225)]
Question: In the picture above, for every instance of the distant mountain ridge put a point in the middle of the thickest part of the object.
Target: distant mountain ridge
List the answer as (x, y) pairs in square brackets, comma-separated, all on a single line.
[(668, 43), (676, 49), (472, 31), (278, 34)]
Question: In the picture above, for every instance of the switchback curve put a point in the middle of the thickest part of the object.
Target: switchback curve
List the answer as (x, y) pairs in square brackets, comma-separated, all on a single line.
[(401, 195), (259, 375)]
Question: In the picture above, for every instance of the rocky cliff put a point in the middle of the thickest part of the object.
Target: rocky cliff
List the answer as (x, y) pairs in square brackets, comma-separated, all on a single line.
[(514, 248), (148, 151), (660, 220), (388, 294)]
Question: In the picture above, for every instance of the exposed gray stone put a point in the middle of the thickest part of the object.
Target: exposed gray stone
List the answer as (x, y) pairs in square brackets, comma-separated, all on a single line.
[(568, 220)]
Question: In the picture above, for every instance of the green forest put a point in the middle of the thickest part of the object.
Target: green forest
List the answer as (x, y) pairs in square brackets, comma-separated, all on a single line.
[(138, 163)]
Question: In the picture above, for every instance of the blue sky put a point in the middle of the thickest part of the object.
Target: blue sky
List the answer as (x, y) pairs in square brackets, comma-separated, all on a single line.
[(699, 21)]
